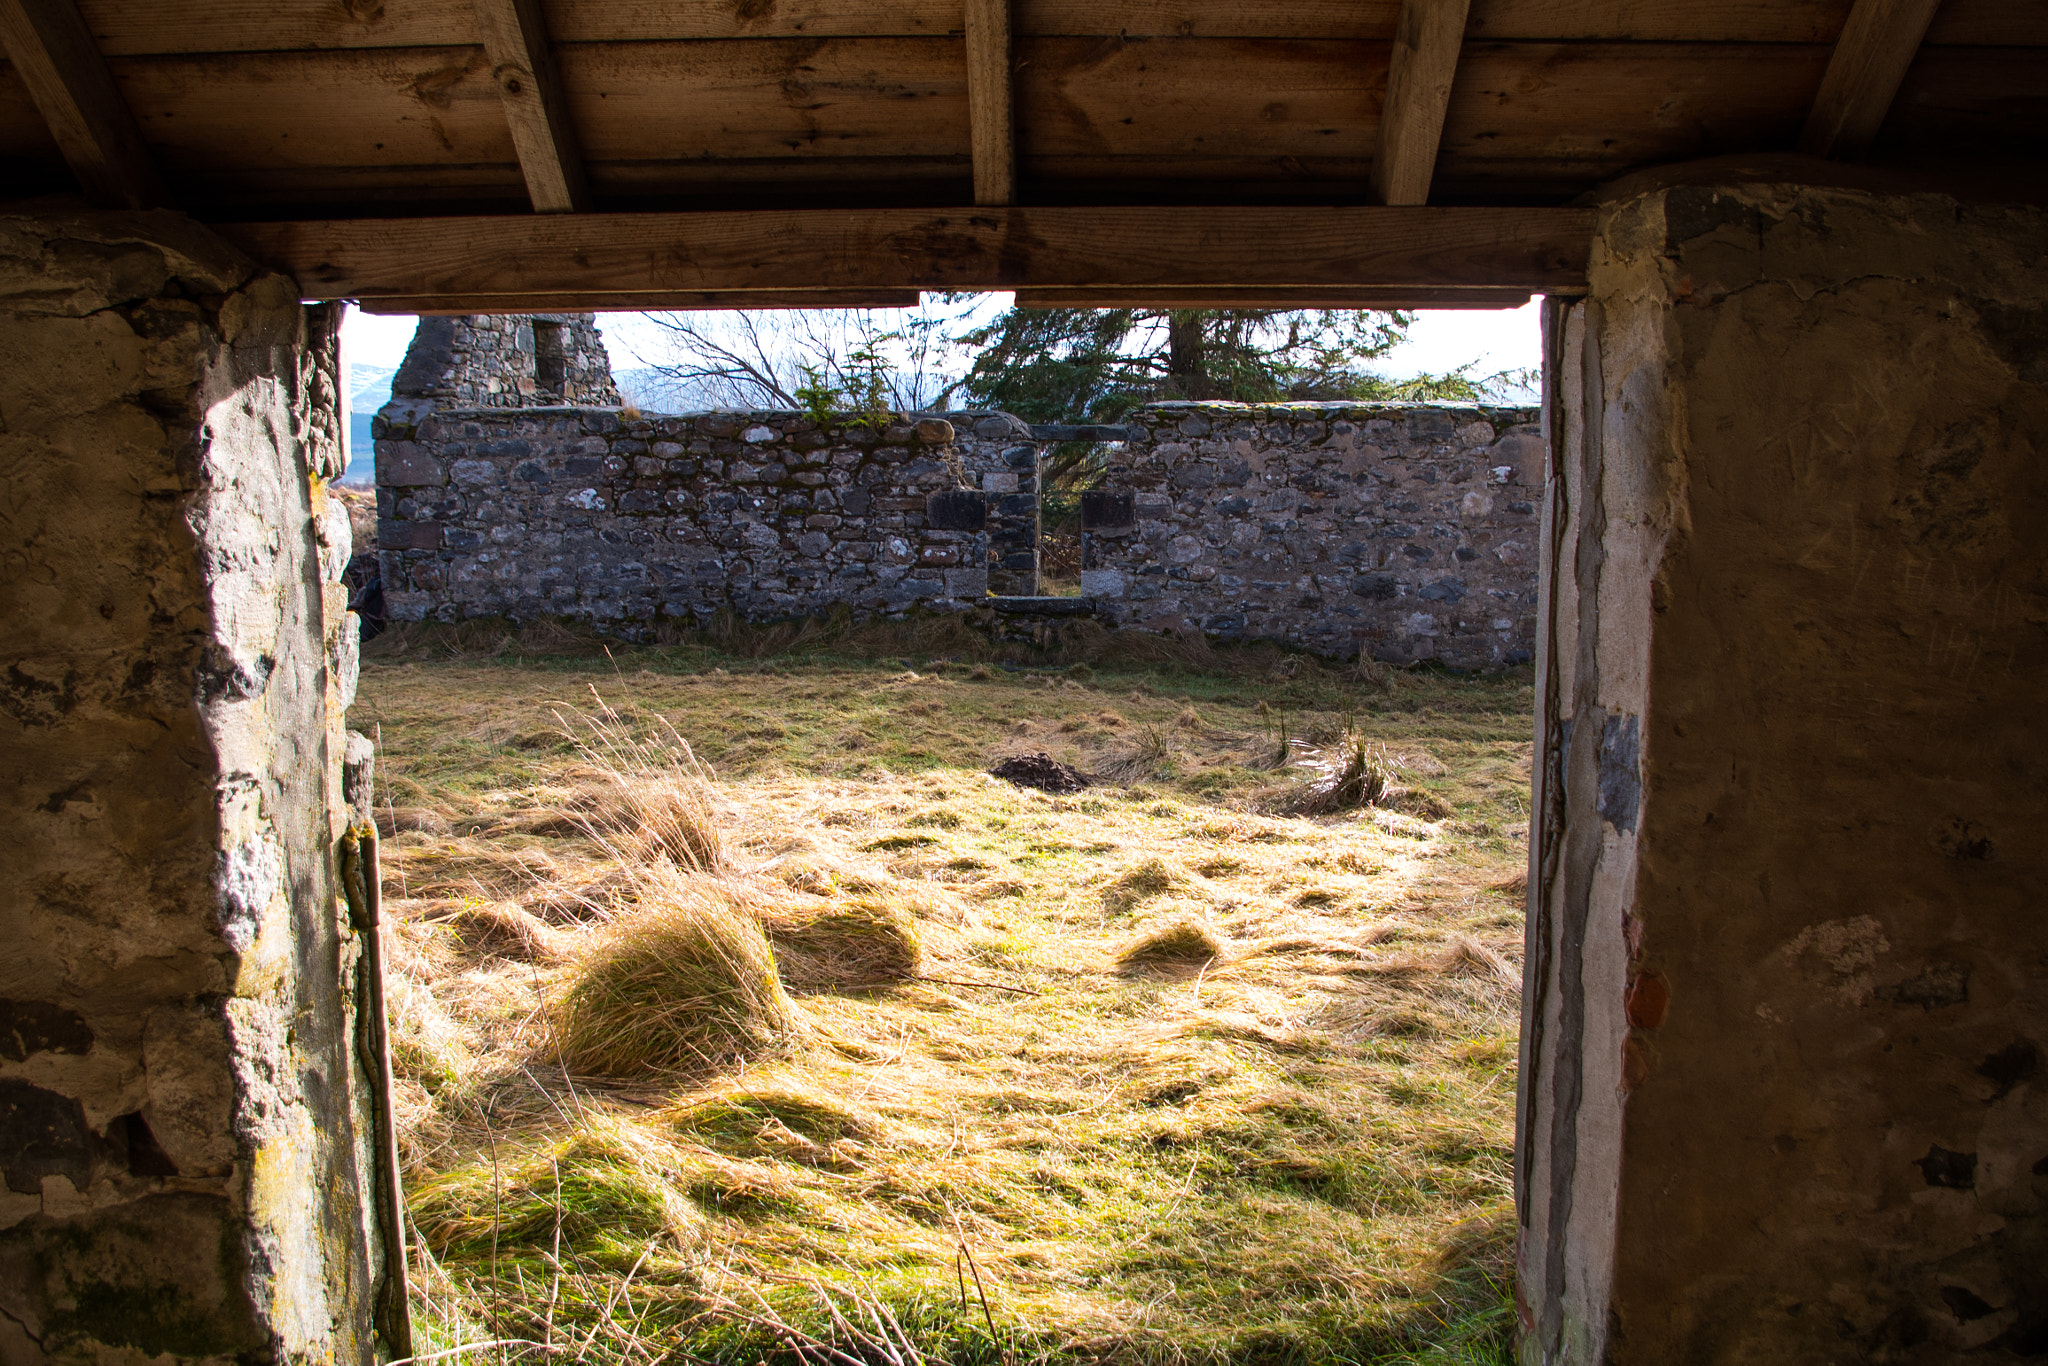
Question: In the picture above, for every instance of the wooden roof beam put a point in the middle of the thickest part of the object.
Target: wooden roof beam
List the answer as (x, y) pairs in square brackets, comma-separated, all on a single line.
[(516, 41), (990, 103), (645, 302), (1427, 38), (578, 261), (1277, 297), (50, 45), (1870, 61)]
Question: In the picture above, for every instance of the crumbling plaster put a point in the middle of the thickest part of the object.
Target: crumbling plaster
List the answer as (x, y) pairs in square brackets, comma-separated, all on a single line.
[(184, 1141), (1784, 1094)]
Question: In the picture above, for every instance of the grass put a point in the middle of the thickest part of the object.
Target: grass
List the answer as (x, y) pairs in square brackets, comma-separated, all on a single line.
[(1178, 944), (847, 944), (685, 981), (1154, 1072)]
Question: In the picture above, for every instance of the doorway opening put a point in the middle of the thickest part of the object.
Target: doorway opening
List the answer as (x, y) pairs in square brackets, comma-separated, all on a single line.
[(1119, 979)]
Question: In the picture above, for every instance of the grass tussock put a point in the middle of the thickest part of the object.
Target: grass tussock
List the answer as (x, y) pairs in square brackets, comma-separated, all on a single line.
[(1361, 774), (507, 929), (1152, 752), (608, 1190), (653, 797), (1142, 882), (684, 983), (804, 864), (849, 945), (1151, 1072), (1183, 943), (778, 1116)]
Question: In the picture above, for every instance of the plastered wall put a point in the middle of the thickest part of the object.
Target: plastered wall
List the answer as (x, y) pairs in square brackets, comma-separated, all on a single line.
[(184, 1153), (1785, 1067)]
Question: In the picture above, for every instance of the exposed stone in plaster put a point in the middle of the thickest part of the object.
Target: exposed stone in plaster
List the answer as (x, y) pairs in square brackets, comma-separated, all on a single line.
[(1777, 1095), (180, 1107)]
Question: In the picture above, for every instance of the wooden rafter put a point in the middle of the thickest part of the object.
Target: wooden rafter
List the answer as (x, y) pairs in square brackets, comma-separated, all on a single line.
[(578, 260), (1390, 297), (1427, 39), (53, 50), (990, 102), (515, 39), (1869, 64), (672, 302)]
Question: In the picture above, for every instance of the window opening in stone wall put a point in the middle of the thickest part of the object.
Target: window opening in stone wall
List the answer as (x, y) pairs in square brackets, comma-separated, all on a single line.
[(1138, 946), (1068, 471), (550, 359)]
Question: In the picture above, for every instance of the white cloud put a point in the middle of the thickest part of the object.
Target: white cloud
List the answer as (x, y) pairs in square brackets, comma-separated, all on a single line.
[(376, 339), (1444, 339)]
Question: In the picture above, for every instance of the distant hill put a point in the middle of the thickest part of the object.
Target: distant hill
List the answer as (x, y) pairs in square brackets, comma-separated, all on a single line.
[(648, 389), (369, 385), (369, 388)]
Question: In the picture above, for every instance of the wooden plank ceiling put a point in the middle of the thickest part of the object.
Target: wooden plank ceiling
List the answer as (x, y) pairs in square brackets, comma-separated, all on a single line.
[(469, 119)]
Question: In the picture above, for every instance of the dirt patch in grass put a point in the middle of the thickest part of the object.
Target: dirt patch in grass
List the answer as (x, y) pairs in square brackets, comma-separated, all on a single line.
[(1155, 1071), (1041, 771)]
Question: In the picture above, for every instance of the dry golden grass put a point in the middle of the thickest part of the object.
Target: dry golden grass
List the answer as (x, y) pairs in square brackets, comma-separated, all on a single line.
[(652, 799), (848, 944), (684, 982), (1183, 943), (1290, 1144)]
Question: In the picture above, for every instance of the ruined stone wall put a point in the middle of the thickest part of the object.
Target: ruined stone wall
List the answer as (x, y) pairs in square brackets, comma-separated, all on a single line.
[(1408, 531), (184, 1127), (1001, 455), (492, 361), (622, 521), (1784, 1080)]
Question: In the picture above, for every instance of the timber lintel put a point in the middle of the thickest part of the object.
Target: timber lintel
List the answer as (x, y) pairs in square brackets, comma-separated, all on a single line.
[(579, 261)]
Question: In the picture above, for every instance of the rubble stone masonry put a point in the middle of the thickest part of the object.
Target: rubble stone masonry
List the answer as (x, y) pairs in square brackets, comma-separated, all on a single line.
[(1410, 532), (623, 521), (1407, 531)]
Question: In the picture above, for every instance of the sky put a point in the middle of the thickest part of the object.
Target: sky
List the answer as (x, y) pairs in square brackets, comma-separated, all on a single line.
[(1439, 341)]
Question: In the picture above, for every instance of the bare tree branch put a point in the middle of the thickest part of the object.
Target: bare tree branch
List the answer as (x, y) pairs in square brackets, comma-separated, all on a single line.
[(769, 358)]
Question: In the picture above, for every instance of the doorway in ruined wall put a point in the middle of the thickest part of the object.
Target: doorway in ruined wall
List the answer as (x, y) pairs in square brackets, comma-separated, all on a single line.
[(1072, 476), (1204, 1032)]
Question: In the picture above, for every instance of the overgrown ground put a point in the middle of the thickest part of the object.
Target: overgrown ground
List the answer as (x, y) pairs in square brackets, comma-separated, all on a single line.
[(1151, 1072)]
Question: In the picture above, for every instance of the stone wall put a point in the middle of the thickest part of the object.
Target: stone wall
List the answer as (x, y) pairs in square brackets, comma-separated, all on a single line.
[(185, 1150), (1001, 456), (624, 521), (491, 361), (1408, 531)]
